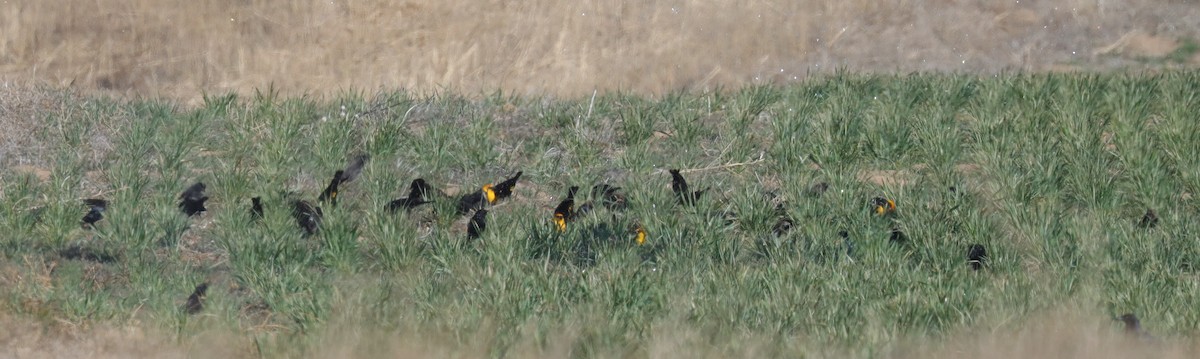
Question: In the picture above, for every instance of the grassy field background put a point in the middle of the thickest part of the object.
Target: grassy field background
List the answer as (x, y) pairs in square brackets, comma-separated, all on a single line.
[(1051, 172), (182, 49)]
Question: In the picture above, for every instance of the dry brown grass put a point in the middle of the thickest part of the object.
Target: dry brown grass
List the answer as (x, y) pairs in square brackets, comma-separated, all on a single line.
[(180, 48)]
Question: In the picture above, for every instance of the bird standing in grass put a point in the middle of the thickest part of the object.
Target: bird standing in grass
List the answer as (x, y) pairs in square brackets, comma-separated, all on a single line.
[(307, 216), (343, 176), (419, 193), (195, 302), (1149, 220), (564, 212), (609, 196), (977, 256), (883, 206), (191, 201), (256, 209), (639, 234), (680, 187), (1133, 327), (477, 224), (487, 195), (95, 212)]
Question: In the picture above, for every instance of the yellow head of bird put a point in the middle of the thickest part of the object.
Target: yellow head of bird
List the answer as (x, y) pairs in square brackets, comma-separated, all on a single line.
[(641, 235), (490, 193), (560, 221)]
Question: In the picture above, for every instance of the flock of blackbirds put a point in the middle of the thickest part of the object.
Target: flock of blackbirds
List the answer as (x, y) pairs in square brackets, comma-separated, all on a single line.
[(476, 203)]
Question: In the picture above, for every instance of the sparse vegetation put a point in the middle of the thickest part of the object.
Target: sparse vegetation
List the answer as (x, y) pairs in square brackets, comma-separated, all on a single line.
[(1052, 173)]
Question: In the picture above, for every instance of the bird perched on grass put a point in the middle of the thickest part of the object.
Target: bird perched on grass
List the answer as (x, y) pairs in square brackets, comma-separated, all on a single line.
[(487, 195), (256, 209), (680, 187), (564, 212), (883, 206), (95, 212), (191, 201), (639, 234), (195, 302), (977, 256), (343, 176), (419, 193), (477, 224), (1149, 220), (307, 216)]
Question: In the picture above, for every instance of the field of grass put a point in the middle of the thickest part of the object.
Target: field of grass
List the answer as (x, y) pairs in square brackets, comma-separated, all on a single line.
[(1050, 172)]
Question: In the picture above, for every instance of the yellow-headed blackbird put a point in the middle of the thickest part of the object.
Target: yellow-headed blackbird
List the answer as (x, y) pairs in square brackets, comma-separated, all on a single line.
[(1149, 220), (95, 212), (977, 256), (610, 196), (195, 302), (817, 189), (882, 206), (639, 234), (477, 224), (475, 200), (489, 194), (191, 201), (256, 210), (565, 210), (419, 193), (504, 189), (331, 191), (680, 187), (307, 216)]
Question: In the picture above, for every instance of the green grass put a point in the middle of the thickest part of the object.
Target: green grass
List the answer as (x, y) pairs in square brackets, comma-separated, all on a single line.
[(1052, 173)]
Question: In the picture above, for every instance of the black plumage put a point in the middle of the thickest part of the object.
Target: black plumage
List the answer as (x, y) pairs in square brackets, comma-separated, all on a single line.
[(191, 201), (477, 224), (565, 211), (331, 191), (977, 256), (256, 209), (195, 302), (680, 187), (419, 193), (307, 216), (1149, 220), (96, 208), (505, 189), (609, 196), (472, 201)]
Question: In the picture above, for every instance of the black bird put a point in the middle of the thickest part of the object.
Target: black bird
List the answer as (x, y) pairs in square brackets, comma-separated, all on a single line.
[(1149, 220), (882, 206), (505, 189), (419, 193), (475, 200), (77, 252), (307, 216), (609, 196), (195, 302), (1133, 327), (489, 194), (898, 235), (95, 213), (817, 189), (331, 191), (191, 201), (256, 210), (680, 187), (566, 210), (784, 223), (477, 224), (977, 256), (354, 168)]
